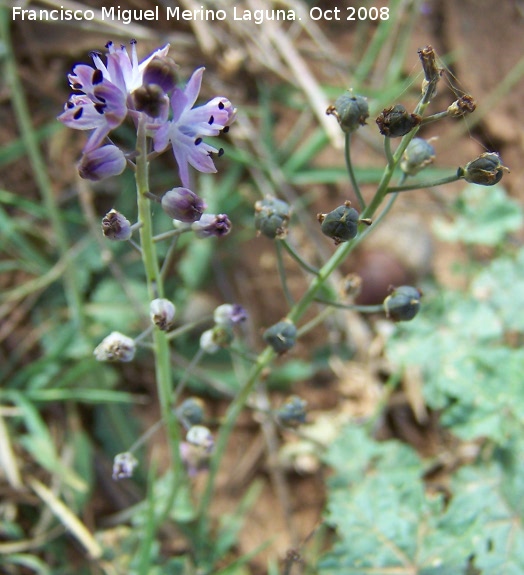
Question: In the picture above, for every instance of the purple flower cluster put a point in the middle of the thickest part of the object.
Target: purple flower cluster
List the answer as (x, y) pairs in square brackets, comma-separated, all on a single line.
[(106, 94)]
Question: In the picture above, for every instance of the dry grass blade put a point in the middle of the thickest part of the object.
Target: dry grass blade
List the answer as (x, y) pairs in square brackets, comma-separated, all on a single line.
[(67, 518), (8, 459)]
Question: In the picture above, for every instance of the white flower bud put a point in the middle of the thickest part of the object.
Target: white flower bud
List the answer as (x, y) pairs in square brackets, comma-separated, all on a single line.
[(123, 465), (162, 313), (200, 436), (115, 347), (208, 343)]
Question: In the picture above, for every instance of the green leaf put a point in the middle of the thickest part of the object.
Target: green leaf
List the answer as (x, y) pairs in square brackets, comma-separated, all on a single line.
[(502, 285), (458, 344), (385, 521), (484, 216)]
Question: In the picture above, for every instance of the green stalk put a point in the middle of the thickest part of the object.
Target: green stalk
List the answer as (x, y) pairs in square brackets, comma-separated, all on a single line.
[(422, 185), (351, 172), (155, 288), (292, 252)]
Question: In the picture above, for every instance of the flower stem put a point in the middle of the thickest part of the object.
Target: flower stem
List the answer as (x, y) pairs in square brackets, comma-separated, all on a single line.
[(292, 252), (421, 185), (156, 289), (351, 172)]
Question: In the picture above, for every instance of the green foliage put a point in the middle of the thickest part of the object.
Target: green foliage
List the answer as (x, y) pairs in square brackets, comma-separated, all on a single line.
[(466, 346), (388, 521), (458, 343), (484, 216)]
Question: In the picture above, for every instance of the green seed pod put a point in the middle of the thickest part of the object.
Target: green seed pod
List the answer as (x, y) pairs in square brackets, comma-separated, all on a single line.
[(486, 170), (396, 121), (351, 111), (271, 217), (191, 412), (403, 303), (419, 154), (293, 412), (281, 336), (341, 224)]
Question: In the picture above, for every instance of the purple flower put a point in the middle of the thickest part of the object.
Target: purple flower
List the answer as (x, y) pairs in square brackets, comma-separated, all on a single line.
[(182, 204), (101, 163), (186, 130), (210, 225), (228, 314), (101, 100), (116, 227)]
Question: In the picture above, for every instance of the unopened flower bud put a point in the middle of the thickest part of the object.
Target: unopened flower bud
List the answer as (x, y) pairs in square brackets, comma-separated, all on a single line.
[(201, 437), (212, 225), (486, 170), (214, 339), (162, 313), (115, 226), (152, 100), (115, 347), (419, 154), (184, 205), (403, 303), (228, 315), (396, 121), (293, 412), (161, 71), (464, 105), (350, 110), (281, 336), (194, 458), (341, 224), (124, 465), (271, 217), (102, 163), (191, 412)]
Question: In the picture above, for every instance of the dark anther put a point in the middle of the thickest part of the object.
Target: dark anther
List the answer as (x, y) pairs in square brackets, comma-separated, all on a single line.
[(100, 108), (198, 141), (211, 120), (97, 77), (133, 41), (70, 105), (100, 99), (225, 130), (221, 105), (220, 152), (109, 44), (78, 114), (77, 86)]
